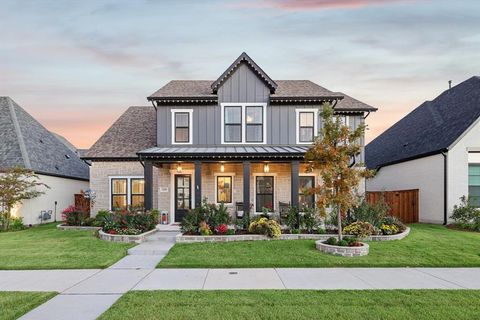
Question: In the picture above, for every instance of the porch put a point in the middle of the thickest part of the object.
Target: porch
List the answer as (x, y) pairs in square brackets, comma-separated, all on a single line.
[(178, 181)]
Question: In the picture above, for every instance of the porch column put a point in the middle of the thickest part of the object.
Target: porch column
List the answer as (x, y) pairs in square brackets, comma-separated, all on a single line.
[(246, 187), (294, 183), (198, 183), (148, 192)]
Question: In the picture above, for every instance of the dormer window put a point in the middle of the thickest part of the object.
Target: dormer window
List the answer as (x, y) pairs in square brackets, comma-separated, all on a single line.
[(182, 126), (307, 125), (243, 123)]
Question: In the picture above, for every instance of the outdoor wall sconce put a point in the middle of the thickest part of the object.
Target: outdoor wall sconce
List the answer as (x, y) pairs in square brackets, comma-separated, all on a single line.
[(179, 168), (222, 168), (266, 168)]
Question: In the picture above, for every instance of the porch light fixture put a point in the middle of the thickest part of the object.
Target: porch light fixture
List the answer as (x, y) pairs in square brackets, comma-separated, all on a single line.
[(222, 168), (266, 168), (179, 168)]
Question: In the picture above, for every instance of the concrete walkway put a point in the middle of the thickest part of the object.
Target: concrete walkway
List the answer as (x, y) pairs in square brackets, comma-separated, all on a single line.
[(86, 294)]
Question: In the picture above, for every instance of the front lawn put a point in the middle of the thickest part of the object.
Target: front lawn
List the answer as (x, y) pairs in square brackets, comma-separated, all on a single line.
[(45, 247), (426, 246), (297, 304), (15, 304)]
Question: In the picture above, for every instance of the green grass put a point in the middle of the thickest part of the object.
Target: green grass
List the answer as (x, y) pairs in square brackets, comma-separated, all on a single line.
[(15, 304), (426, 246), (45, 247), (297, 304)]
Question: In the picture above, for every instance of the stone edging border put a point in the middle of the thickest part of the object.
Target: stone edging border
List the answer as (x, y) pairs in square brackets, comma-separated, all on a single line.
[(84, 228), (137, 238), (342, 251), (180, 238)]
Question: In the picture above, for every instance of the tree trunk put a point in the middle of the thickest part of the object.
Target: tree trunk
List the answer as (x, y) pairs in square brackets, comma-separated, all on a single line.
[(339, 219)]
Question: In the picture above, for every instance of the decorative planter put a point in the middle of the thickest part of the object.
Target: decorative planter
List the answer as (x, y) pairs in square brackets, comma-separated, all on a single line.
[(84, 228), (137, 238), (342, 251)]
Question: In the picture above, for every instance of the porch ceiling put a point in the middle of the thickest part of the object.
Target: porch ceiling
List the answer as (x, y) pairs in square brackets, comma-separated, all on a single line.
[(225, 153)]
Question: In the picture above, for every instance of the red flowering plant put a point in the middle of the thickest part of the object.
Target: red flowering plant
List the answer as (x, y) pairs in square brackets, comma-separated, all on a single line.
[(221, 229), (73, 216), (129, 221)]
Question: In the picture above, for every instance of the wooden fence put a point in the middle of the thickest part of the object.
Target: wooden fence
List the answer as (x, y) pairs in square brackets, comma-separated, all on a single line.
[(403, 203)]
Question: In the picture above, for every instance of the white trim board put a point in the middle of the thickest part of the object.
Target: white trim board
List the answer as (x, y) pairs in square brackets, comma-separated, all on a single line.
[(190, 125), (297, 124)]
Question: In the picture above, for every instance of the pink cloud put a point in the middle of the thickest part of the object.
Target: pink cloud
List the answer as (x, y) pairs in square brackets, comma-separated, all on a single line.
[(305, 5)]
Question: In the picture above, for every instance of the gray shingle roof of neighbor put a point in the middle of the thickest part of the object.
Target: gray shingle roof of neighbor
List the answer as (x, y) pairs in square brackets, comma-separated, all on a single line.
[(24, 142), (135, 130), (286, 89), (429, 129)]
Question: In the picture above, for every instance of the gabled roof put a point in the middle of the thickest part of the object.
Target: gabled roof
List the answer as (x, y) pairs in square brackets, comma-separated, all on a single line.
[(135, 130), (429, 129), (244, 58), (286, 90), (24, 142)]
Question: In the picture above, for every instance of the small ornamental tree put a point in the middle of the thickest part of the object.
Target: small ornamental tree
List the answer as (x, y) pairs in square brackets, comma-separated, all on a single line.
[(16, 185), (332, 155)]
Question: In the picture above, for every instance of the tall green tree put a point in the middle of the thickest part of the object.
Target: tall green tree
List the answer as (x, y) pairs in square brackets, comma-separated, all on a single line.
[(17, 185), (333, 155)]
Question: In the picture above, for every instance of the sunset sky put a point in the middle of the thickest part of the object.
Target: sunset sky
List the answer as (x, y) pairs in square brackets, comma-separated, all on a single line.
[(77, 65)]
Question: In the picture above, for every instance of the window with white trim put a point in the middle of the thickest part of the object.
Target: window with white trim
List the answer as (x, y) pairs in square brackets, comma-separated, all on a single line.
[(306, 125), (474, 184), (127, 192), (182, 126), (305, 198), (243, 123), (224, 189)]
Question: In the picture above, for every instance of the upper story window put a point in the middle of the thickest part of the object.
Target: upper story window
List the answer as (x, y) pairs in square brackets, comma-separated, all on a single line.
[(182, 126), (244, 123), (307, 125)]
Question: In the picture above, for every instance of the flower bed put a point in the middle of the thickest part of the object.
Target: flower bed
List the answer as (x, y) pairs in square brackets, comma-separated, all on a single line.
[(182, 238), (344, 251), (136, 238)]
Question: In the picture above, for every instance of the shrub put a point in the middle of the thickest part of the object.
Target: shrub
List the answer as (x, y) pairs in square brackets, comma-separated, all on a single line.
[(389, 229), (218, 215), (372, 213), (295, 231), (230, 232), (72, 216), (309, 219), (291, 219), (331, 241), (221, 229), (189, 223), (361, 229), (342, 243), (204, 229), (391, 220), (125, 221), (465, 213), (266, 227), (16, 224), (321, 230)]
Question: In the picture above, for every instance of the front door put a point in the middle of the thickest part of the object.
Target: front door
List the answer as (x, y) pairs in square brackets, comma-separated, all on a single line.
[(183, 199)]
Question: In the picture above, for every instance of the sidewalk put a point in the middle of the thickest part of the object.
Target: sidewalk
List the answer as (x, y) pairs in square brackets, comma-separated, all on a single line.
[(119, 281)]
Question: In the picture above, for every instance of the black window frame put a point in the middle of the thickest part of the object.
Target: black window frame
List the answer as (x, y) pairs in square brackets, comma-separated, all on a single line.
[(230, 194), (264, 194), (247, 125), (136, 194), (232, 124), (300, 127), (181, 127), (112, 194), (301, 192)]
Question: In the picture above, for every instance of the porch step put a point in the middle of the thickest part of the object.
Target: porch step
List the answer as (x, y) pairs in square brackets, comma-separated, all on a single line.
[(168, 227)]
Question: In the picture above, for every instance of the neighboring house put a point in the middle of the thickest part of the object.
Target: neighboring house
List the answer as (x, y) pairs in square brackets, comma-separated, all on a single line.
[(436, 149), (25, 143), (239, 140)]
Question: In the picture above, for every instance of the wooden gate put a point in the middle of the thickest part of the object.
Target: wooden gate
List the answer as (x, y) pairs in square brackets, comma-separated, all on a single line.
[(82, 203), (403, 203)]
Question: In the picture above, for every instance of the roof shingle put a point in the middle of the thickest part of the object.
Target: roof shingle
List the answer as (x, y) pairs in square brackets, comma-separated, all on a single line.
[(430, 128), (24, 142)]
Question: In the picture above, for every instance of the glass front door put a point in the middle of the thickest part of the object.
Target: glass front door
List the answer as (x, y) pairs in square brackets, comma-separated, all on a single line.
[(183, 200)]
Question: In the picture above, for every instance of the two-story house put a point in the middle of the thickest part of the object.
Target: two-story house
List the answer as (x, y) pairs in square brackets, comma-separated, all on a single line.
[(239, 139)]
